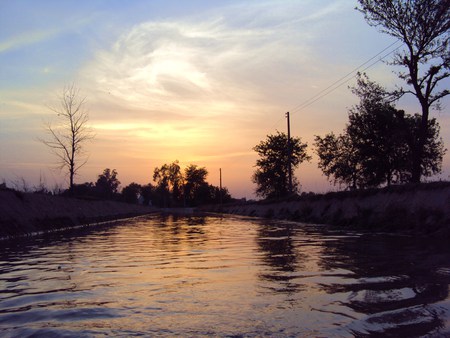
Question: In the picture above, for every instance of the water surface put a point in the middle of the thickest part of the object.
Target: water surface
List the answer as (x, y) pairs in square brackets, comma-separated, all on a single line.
[(223, 276)]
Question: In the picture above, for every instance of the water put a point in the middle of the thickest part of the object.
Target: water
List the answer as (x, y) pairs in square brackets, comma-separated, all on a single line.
[(225, 277)]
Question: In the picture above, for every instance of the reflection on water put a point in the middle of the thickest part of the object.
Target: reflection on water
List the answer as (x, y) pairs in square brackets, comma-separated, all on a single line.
[(223, 276)]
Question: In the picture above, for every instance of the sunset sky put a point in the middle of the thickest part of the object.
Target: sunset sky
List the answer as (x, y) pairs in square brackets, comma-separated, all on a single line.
[(198, 81)]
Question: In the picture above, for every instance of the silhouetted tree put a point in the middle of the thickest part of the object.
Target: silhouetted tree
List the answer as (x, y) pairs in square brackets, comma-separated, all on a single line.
[(377, 144), (423, 26), (379, 134), (218, 194), (382, 149), (339, 161), (191, 189), (67, 137), (271, 175), (148, 193), (194, 180), (131, 193), (169, 179), (86, 189), (433, 150), (386, 138), (203, 194), (107, 184)]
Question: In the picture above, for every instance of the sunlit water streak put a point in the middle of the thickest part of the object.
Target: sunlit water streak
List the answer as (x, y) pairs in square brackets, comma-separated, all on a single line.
[(223, 276)]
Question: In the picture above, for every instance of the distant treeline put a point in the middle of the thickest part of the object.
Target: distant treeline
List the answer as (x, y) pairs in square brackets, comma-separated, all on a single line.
[(173, 188)]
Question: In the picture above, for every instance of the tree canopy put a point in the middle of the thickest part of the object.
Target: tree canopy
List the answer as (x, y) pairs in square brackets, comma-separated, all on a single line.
[(423, 26), (131, 193), (272, 173), (169, 180), (378, 143), (338, 160), (175, 188), (195, 182), (107, 184)]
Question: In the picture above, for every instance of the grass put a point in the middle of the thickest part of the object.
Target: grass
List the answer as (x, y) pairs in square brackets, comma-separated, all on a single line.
[(335, 208)]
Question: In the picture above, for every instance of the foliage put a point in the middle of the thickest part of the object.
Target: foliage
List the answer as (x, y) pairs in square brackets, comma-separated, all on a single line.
[(433, 150), (135, 193), (107, 184), (195, 186), (339, 160), (173, 188), (86, 189), (67, 138), (191, 188), (218, 195), (147, 194), (382, 150), (377, 144), (131, 193), (209, 194), (169, 179), (423, 26), (378, 133), (271, 175)]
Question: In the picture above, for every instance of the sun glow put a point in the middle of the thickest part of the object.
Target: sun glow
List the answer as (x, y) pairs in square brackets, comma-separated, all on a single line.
[(200, 82)]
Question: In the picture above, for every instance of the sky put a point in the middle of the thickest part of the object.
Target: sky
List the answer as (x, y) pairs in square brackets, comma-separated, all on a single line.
[(197, 81)]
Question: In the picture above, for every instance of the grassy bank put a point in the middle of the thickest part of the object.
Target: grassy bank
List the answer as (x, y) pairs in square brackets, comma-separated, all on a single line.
[(421, 208), (25, 213)]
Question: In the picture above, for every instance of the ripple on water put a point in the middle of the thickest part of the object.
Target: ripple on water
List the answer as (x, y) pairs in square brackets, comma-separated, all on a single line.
[(223, 276)]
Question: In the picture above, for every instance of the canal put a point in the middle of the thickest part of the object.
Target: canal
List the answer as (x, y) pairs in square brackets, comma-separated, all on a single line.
[(223, 276)]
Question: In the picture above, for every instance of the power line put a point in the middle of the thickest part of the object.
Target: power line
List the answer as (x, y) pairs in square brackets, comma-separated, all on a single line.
[(346, 78)]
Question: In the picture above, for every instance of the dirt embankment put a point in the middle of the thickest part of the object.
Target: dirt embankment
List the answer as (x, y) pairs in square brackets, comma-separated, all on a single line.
[(22, 213), (423, 208)]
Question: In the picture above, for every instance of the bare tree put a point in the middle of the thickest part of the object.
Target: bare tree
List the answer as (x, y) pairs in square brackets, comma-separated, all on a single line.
[(67, 137), (424, 27)]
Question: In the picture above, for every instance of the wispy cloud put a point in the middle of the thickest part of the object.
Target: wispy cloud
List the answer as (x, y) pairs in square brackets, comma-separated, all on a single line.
[(205, 86), (210, 66), (48, 31), (26, 39), (201, 88)]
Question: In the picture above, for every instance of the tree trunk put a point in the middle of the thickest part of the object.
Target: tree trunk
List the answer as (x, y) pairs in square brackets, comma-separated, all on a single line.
[(71, 175), (418, 150)]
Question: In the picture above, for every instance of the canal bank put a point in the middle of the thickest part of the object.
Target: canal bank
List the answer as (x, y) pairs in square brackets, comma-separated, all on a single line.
[(422, 209), (26, 213)]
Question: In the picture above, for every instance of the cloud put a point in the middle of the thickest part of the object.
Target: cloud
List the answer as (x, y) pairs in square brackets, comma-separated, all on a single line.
[(204, 88), (26, 39), (201, 87), (210, 66), (49, 29)]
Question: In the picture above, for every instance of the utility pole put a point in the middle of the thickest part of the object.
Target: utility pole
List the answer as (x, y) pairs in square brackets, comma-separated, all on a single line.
[(289, 152), (220, 186)]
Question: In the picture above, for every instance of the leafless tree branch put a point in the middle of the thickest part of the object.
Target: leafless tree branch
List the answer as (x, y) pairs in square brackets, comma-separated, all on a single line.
[(67, 136)]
